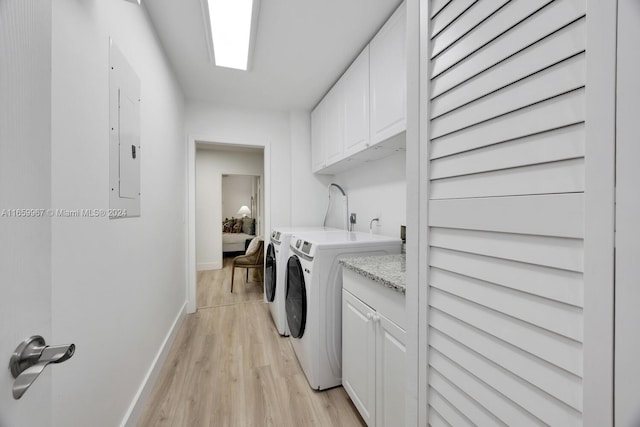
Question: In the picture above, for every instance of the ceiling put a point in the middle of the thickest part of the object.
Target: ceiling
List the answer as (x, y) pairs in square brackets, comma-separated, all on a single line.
[(301, 48)]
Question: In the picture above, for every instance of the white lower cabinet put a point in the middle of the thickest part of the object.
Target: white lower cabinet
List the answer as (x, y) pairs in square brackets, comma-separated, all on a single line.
[(390, 373), (358, 355), (373, 351)]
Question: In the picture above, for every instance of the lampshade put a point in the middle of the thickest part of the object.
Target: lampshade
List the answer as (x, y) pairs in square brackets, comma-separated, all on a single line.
[(244, 211)]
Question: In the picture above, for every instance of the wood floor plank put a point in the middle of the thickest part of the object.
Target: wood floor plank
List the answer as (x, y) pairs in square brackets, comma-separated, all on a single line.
[(162, 409), (214, 286), (229, 367)]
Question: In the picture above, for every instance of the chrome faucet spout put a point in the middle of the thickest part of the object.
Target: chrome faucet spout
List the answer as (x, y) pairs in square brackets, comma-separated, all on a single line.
[(371, 224), (333, 184), (347, 223)]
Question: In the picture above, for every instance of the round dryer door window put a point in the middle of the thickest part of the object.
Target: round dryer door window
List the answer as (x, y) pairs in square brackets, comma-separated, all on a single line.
[(296, 301), (270, 273)]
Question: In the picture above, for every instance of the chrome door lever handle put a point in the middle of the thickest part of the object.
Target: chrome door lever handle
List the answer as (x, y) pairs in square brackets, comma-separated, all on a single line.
[(26, 378), (30, 359)]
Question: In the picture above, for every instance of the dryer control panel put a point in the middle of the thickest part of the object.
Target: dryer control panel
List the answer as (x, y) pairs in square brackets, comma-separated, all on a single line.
[(306, 247), (303, 246)]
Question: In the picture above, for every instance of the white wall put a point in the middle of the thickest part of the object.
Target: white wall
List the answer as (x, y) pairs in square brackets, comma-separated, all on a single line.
[(377, 189), (210, 166), (308, 191), (215, 123), (118, 285), (25, 173), (298, 197), (236, 192)]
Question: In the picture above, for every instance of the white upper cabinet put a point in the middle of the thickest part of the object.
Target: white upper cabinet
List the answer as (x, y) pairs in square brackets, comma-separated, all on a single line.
[(388, 87), (356, 105), (327, 130), (333, 143), (366, 106), (317, 137)]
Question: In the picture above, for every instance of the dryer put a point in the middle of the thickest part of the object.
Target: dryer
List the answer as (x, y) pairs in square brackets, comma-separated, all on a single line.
[(277, 255), (314, 297)]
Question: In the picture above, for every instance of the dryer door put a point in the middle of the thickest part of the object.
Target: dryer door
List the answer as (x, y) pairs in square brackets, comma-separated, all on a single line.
[(296, 301), (270, 273)]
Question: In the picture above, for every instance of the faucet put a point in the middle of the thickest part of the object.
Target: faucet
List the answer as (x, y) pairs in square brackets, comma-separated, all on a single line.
[(324, 223), (333, 184), (371, 224)]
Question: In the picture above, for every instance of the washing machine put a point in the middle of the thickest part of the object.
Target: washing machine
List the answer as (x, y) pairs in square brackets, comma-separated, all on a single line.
[(314, 297), (277, 255)]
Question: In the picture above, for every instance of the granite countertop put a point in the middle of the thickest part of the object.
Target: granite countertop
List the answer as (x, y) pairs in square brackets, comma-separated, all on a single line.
[(388, 270)]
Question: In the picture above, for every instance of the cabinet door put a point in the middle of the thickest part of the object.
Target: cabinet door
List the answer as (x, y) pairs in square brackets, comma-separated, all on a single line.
[(333, 140), (317, 137), (358, 354), (390, 373), (356, 105), (388, 78)]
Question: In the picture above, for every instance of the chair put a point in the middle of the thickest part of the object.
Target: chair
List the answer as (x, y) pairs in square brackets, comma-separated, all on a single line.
[(253, 258)]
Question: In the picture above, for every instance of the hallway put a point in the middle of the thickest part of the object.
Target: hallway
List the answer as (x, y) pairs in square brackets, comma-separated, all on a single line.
[(229, 367)]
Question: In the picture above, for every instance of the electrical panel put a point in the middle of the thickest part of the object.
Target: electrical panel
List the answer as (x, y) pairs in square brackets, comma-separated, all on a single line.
[(124, 137)]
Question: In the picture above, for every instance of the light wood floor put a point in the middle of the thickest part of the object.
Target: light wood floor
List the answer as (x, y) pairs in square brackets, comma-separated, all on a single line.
[(214, 285), (229, 367)]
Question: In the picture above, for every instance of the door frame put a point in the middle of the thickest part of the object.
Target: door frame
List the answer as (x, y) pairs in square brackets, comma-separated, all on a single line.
[(627, 293), (190, 235), (599, 217)]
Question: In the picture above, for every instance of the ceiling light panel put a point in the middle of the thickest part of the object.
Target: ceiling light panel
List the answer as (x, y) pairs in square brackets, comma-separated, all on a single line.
[(231, 32)]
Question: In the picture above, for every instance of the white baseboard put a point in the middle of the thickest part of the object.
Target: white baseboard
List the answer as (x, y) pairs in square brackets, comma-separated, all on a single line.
[(141, 398), (209, 266)]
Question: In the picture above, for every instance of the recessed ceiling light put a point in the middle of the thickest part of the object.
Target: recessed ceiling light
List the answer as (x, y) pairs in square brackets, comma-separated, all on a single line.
[(231, 29)]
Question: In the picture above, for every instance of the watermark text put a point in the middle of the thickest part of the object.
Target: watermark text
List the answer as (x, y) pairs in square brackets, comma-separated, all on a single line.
[(61, 213)]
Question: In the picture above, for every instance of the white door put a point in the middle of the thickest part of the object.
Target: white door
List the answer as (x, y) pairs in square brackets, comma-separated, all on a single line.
[(387, 76), (391, 360), (318, 132), (25, 183), (356, 105), (334, 136), (358, 355), (627, 369), (521, 143)]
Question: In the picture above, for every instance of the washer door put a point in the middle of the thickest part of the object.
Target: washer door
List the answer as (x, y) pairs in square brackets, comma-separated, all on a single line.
[(270, 274), (296, 301)]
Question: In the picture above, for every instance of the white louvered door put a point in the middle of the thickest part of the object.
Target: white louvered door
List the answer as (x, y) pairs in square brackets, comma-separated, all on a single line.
[(519, 211)]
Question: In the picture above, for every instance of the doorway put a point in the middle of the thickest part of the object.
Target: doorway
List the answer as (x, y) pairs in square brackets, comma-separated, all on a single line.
[(229, 158), (241, 197)]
